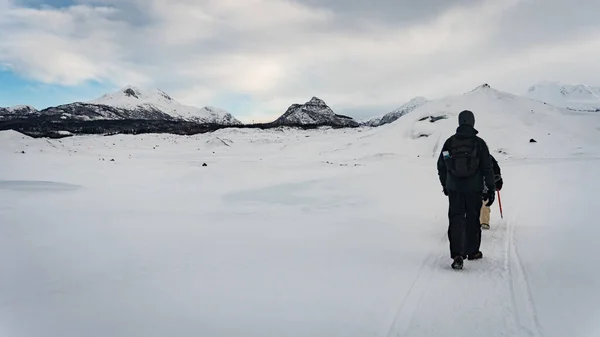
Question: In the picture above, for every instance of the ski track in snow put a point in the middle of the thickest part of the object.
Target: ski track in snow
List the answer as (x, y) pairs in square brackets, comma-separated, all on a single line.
[(524, 311), (429, 297), (414, 294), (521, 318)]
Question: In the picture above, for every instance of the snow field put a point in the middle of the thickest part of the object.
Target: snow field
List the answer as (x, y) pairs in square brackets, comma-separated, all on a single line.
[(299, 233)]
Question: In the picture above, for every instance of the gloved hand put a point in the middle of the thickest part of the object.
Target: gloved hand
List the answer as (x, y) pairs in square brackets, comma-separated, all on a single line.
[(499, 184), (490, 196), (445, 191)]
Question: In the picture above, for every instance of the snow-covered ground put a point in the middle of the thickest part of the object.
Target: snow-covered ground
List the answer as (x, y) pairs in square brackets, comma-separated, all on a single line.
[(300, 233)]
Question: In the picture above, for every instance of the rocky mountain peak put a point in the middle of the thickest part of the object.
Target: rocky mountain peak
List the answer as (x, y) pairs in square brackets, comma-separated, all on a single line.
[(484, 86), (131, 92), (313, 112), (316, 101)]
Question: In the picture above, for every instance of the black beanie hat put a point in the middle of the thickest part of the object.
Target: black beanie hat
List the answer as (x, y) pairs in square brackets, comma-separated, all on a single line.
[(466, 117)]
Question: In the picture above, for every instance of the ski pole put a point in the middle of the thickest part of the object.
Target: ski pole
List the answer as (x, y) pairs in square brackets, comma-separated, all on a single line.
[(500, 205)]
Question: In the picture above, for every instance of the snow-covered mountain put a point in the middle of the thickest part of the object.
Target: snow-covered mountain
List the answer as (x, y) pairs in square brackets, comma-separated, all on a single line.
[(151, 104), (394, 115), (131, 103), (577, 97), (19, 110), (313, 112)]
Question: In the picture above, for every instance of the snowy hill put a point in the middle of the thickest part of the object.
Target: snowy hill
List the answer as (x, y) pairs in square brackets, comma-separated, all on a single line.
[(578, 97), (18, 111), (394, 115), (14, 137), (507, 122), (148, 104), (16, 142), (313, 112)]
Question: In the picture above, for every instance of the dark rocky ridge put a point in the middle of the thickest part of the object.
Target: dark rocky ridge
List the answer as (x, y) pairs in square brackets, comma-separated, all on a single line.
[(53, 126), (87, 111)]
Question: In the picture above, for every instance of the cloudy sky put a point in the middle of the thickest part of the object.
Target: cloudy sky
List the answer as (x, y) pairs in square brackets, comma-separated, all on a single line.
[(256, 57)]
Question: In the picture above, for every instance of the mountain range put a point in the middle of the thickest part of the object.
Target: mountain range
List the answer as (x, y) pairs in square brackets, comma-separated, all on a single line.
[(128, 103), (132, 103), (131, 109)]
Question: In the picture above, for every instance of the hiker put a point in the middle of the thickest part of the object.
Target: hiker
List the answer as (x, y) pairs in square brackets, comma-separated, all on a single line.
[(485, 210), (464, 165)]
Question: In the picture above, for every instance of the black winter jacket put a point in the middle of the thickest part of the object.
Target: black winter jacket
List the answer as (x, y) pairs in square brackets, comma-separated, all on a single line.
[(475, 183)]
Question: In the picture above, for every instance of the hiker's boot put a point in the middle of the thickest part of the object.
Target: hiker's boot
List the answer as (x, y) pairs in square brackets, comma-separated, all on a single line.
[(485, 226), (457, 263), (475, 256)]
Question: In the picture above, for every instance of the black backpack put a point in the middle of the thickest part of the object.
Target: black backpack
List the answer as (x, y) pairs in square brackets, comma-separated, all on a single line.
[(464, 157)]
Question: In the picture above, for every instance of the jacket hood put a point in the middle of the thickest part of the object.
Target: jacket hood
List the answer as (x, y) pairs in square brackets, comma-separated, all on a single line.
[(466, 131)]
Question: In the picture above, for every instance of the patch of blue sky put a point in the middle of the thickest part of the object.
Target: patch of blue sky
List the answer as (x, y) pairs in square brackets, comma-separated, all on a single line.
[(17, 90)]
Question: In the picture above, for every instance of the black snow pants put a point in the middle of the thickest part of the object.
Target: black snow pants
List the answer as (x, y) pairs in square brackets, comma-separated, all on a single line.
[(464, 231)]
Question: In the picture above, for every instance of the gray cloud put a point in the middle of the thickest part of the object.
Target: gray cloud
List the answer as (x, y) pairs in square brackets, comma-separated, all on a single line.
[(538, 22), (362, 58), (395, 12)]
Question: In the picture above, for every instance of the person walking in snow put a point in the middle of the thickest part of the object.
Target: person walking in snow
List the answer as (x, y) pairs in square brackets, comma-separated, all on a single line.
[(486, 210), (464, 166)]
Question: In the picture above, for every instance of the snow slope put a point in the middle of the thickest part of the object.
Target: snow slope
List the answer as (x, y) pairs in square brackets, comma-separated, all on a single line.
[(578, 97), (315, 111), (397, 113), (133, 99), (334, 232)]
